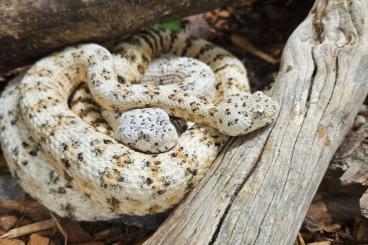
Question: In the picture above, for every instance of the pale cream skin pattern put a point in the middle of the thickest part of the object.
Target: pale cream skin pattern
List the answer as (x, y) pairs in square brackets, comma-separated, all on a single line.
[(78, 171), (150, 129)]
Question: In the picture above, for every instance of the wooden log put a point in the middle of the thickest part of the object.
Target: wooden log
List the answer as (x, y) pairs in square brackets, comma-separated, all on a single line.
[(31, 29), (340, 197), (259, 188)]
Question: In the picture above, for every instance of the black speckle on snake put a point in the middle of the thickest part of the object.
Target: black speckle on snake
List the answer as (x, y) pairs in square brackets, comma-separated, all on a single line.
[(79, 171)]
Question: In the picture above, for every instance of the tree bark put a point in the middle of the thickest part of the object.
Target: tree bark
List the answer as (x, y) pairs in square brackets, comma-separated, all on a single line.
[(260, 187), (31, 29)]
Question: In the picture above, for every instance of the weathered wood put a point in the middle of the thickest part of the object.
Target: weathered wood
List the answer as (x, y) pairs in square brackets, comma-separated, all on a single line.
[(352, 161), (30, 29), (260, 187), (345, 181)]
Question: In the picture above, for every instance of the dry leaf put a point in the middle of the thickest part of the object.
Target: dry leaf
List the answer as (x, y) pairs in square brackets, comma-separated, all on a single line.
[(197, 26), (318, 213), (8, 222), (361, 231), (74, 232), (11, 242), (36, 239)]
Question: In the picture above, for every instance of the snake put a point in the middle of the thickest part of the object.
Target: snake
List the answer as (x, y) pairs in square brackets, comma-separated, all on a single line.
[(151, 130), (77, 168)]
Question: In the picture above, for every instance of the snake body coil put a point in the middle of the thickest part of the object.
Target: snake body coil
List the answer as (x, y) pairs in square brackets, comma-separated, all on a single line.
[(78, 171)]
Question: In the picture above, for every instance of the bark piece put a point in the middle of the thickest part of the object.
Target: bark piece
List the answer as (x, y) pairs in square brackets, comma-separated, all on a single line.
[(31, 29), (31, 209), (352, 160)]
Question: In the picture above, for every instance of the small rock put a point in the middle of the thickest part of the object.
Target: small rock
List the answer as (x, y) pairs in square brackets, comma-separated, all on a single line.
[(197, 26), (9, 189), (359, 121)]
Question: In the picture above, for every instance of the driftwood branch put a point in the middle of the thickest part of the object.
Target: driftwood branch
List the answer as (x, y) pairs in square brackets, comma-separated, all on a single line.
[(340, 197), (259, 189), (31, 29)]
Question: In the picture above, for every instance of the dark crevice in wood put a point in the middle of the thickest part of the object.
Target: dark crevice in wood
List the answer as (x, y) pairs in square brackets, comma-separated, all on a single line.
[(233, 196)]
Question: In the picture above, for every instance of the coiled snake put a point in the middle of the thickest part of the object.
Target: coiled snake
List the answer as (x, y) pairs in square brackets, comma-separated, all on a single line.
[(76, 168)]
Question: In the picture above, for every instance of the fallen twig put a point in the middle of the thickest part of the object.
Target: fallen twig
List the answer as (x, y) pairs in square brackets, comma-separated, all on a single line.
[(244, 44), (28, 229)]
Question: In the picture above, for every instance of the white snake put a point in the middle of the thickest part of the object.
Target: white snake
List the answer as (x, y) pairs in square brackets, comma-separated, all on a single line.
[(77, 171)]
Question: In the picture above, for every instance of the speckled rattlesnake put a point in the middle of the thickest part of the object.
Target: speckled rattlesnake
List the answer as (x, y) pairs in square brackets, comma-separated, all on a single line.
[(76, 171)]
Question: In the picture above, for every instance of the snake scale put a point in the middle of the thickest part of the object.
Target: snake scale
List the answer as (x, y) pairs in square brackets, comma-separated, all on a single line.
[(74, 165)]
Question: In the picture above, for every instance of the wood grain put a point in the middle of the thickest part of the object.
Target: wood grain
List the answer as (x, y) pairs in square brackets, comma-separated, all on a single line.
[(259, 188), (31, 29)]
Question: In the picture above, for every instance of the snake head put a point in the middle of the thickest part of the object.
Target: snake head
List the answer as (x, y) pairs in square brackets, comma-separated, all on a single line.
[(244, 112)]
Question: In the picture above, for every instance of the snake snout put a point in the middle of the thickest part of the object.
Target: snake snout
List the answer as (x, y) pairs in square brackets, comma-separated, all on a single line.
[(264, 110), (244, 112)]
